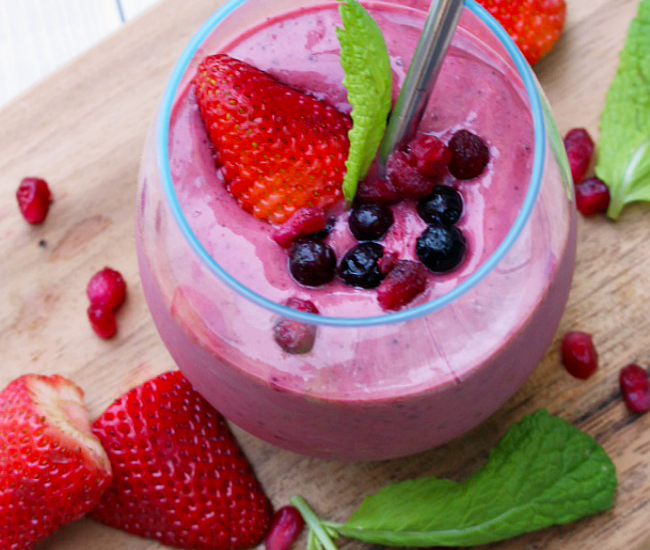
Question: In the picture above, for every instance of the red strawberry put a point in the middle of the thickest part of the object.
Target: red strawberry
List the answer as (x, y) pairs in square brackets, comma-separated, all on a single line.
[(179, 474), (52, 468), (280, 149), (535, 25)]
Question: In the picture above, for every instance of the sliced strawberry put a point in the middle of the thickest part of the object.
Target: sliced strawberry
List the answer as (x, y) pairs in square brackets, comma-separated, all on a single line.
[(179, 475), (52, 468), (535, 25), (280, 149)]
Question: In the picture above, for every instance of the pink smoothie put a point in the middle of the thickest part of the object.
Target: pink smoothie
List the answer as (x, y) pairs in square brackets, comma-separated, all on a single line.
[(362, 392)]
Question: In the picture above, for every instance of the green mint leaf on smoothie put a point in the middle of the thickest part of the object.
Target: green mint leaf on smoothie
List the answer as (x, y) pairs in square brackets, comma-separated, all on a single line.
[(543, 472), (624, 144), (368, 80)]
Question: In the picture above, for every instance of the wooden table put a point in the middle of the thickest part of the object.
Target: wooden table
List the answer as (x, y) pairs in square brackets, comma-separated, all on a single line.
[(83, 129)]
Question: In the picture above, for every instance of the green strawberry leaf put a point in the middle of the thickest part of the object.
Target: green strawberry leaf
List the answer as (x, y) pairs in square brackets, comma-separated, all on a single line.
[(543, 472), (368, 80), (624, 143)]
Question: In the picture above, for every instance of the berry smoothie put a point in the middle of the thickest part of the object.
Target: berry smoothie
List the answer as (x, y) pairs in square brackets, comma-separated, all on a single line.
[(361, 392)]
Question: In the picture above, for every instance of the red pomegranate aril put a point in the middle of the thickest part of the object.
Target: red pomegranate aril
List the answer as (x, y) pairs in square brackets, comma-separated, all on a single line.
[(406, 280), (308, 219), (579, 355), (592, 196), (301, 305), (107, 288), (579, 149), (635, 388), (429, 155), (34, 197), (102, 320), (405, 177), (294, 336), (287, 525)]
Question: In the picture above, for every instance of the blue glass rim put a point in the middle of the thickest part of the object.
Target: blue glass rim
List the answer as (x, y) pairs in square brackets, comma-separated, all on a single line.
[(162, 147)]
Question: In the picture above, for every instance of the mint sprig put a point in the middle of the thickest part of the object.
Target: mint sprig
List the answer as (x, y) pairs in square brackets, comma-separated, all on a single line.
[(543, 472), (624, 143), (368, 80)]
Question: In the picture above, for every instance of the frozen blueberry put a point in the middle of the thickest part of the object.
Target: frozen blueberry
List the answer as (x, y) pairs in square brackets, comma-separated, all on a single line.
[(441, 248), (369, 222), (312, 263), (360, 266), (442, 207)]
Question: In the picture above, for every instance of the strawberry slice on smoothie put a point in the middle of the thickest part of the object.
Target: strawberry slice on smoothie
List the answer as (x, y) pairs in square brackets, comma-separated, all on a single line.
[(280, 149)]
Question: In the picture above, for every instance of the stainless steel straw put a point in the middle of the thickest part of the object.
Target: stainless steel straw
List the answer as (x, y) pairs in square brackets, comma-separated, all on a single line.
[(421, 77)]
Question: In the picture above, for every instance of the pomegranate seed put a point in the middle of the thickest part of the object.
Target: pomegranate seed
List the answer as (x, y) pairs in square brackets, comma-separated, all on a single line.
[(107, 288), (293, 336), (406, 179), (579, 354), (430, 156), (387, 261), (469, 155), (635, 388), (287, 525), (102, 320), (579, 148), (301, 305), (592, 196), (403, 283), (308, 219), (34, 199)]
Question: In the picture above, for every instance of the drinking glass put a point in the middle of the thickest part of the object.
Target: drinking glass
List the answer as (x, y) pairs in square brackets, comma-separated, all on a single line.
[(373, 387)]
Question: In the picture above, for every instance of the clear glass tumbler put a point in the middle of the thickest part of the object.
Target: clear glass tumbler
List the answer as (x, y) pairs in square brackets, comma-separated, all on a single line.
[(373, 387)]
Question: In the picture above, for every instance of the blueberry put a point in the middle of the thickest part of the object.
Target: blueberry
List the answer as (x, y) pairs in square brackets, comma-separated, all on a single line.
[(360, 265), (369, 222), (312, 263), (441, 248), (442, 207), (469, 155)]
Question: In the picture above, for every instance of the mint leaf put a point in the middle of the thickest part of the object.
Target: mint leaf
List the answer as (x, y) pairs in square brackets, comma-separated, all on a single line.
[(368, 80), (543, 472), (624, 144)]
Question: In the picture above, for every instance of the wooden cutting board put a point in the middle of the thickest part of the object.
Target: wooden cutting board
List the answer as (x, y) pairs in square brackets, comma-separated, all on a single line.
[(83, 130)]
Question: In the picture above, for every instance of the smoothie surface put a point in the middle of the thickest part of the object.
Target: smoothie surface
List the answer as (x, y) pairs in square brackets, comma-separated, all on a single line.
[(474, 91)]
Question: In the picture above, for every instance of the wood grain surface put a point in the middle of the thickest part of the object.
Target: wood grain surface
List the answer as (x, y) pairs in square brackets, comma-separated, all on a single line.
[(83, 130)]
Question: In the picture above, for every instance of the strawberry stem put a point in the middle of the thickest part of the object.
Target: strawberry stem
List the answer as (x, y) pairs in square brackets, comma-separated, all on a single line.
[(320, 532)]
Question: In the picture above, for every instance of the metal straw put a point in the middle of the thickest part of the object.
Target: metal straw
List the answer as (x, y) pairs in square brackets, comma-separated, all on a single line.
[(421, 77)]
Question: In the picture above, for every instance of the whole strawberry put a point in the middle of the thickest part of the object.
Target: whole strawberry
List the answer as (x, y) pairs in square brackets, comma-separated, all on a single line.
[(52, 468), (535, 25), (280, 149), (179, 474)]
